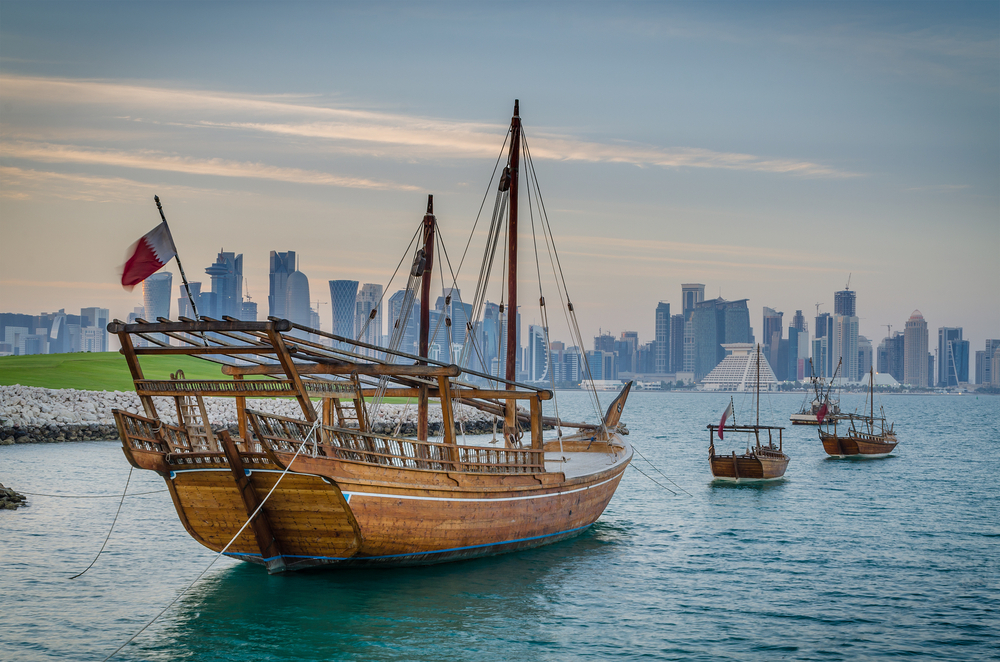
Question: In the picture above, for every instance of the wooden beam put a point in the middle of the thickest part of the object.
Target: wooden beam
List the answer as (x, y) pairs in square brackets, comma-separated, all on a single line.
[(537, 443), (286, 362), (270, 550), (199, 327), (346, 368), (220, 349)]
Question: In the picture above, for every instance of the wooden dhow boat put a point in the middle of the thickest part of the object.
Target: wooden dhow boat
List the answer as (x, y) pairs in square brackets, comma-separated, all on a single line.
[(821, 409), (854, 435), (325, 489), (761, 460)]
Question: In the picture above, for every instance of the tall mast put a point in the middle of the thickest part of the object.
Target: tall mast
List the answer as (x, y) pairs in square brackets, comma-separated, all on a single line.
[(513, 164), (758, 384), (425, 311)]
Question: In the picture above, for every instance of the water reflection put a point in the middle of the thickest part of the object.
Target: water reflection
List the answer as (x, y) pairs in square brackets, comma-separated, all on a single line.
[(421, 613)]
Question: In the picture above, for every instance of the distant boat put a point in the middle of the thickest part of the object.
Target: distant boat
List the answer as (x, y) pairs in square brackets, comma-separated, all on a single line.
[(852, 435), (809, 413), (760, 461)]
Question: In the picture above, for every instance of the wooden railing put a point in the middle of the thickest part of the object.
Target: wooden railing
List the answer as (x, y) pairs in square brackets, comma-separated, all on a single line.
[(284, 434), (238, 387), (147, 434)]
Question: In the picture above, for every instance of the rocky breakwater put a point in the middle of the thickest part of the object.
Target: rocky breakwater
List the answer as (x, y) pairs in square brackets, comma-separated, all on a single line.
[(39, 415), (9, 499)]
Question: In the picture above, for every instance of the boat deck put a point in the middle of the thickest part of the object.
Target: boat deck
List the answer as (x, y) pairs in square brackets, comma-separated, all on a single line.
[(584, 464)]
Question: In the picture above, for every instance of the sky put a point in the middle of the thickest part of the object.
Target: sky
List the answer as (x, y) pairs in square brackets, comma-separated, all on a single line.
[(769, 150)]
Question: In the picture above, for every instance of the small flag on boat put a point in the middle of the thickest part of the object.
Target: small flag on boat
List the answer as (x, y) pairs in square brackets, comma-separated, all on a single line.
[(146, 256), (821, 414), (726, 414)]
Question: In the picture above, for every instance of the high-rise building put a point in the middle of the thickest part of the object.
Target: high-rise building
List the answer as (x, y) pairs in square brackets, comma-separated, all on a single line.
[(408, 329), (450, 305), (627, 352), (843, 303), (915, 351), (298, 306), (249, 311), (714, 323), (343, 302), (691, 295), (156, 295), (771, 336), (799, 322), (843, 347), (824, 329), (538, 355), (366, 327), (604, 343), (989, 376), (676, 343), (94, 329), (952, 357), (864, 356), (227, 287), (184, 303), (282, 266), (980, 365), (662, 342)]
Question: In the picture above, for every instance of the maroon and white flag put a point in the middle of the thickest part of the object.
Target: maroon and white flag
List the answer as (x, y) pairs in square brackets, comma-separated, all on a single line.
[(726, 414), (146, 256), (821, 414)]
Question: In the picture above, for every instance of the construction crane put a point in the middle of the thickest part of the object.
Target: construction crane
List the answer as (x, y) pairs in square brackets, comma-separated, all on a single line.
[(888, 330), (848, 286), (817, 309)]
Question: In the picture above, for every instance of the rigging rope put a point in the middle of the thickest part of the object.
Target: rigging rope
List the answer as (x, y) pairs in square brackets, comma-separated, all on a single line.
[(660, 472)]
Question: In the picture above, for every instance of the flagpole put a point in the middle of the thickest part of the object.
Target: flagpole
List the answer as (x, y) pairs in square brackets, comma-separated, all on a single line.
[(177, 256)]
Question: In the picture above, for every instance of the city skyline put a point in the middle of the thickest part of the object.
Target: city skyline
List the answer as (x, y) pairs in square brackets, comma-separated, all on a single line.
[(860, 132)]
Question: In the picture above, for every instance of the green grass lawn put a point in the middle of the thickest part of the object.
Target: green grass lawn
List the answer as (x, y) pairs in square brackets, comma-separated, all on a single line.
[(103, 371)]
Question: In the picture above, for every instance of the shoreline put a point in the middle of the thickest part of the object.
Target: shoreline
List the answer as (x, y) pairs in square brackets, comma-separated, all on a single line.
[(35, 415)]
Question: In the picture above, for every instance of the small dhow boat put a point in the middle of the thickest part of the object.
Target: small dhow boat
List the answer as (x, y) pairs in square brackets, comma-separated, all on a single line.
[(761, 460), (854, 435), (326, 489), (821, 409)]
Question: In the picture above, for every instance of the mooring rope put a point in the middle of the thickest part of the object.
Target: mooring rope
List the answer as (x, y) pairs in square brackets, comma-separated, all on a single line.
[(659, 472), (228, 545), (108, 537), (89, 496)]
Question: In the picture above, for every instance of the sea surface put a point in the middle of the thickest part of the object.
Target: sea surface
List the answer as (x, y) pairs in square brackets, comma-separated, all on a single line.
[(879, 559)]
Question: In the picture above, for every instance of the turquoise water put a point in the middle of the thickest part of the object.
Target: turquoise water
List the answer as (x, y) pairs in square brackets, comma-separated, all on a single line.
[(893, 558)]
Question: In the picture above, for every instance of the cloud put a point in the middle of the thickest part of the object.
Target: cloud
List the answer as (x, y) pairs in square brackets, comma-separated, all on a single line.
[(152, 160), (378, 134)]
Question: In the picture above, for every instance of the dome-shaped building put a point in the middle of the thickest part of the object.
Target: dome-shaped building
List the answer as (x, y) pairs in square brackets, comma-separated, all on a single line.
[(297, 298)]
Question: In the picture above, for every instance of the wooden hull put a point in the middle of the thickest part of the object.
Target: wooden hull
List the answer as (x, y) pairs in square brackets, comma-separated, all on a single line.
[(851, 445), (329, 512), (748, 467)]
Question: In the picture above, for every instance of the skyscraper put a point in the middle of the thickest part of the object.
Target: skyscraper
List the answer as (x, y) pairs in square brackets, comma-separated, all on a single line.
[(992, 349), (409, 333), (184, 303), (538, 354), (156, 295), (282, 265), (953, 357), (843, 303), (297, 299), (799, 322), (691, 295), (915, 351), (843, 347), (714, 323), (771, 335), (676, 343), (343, 302), (227, 286), (824, 366), (662, 337), (367, 328)]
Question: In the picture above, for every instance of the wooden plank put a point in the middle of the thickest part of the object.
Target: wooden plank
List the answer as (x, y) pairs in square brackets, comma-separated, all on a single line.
[(195, 327), (346, 368), (286, 362)]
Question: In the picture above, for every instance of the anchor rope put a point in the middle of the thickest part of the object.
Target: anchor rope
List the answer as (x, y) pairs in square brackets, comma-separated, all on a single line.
[(302, 445), (89, 496), (660, 472), (115, 520)]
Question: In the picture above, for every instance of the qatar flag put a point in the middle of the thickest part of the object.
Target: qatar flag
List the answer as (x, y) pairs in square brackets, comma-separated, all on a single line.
[(147, 255), (821, 414), (726, 414)]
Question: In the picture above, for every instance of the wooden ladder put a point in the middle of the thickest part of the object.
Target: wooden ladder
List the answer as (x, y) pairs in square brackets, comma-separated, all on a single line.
[(352, 414), (193, 417)]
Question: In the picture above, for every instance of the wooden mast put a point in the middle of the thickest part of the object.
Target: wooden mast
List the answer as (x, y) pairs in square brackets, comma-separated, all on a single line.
[(425, 311), (510, 418)]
